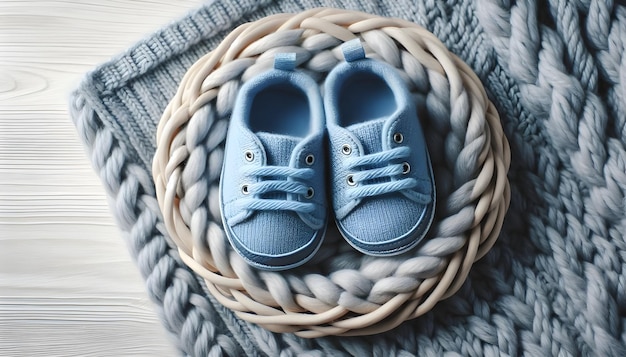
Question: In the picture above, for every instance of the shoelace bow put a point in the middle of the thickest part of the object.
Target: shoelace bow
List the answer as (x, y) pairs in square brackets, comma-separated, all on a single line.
[(385, 165)]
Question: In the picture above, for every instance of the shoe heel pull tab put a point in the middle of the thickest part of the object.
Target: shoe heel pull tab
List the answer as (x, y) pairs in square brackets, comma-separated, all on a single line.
[(353, 50), (285, 61)]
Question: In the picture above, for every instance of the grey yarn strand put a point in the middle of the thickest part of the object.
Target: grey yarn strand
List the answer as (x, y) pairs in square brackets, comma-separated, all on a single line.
[(576, 125), (137, 214)]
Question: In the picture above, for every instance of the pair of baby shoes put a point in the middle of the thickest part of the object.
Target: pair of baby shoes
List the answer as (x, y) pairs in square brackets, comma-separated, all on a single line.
[(289, 152)]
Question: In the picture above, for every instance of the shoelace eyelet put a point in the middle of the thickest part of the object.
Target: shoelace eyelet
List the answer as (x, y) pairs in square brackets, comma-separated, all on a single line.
[(309, 159), (346, 149), (244, 189), (309, 193), (398, 138), (350, 180), (406, 168), (249, 155)]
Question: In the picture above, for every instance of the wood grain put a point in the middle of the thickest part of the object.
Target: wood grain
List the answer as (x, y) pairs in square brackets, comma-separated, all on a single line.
[(67, 284)]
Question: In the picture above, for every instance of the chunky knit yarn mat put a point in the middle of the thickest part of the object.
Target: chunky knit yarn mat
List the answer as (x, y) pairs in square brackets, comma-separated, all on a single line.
[(341, 292), (554, 282)]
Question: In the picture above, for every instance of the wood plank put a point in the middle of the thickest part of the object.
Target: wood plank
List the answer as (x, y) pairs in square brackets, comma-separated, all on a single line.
[(67, 284)]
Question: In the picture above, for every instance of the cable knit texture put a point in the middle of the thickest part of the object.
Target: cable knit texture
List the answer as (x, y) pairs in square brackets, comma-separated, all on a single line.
[(553, 284)]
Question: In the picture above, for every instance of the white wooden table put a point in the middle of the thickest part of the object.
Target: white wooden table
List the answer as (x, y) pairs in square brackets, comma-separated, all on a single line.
[(67, 284)]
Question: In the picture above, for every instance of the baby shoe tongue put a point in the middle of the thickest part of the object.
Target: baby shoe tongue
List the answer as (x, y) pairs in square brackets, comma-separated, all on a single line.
[(369, 134), (278, 148)]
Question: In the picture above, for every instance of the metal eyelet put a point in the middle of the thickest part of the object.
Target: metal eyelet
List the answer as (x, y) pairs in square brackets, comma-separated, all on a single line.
[(350, 180), (244, 189), (406, 168), (398, 138), (309, 192), (249, 155), (346, 149), (309, 159)]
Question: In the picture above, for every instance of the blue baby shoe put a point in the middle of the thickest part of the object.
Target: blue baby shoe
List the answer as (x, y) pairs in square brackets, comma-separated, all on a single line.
[(383, 188), (272, 188)]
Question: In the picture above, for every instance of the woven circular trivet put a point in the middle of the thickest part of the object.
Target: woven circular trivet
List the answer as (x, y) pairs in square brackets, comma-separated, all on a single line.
[(339, 292)]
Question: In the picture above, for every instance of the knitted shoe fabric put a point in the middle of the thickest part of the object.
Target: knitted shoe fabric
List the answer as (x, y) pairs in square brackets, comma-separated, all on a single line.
[(272, 189), (380, 167), (554, 282)]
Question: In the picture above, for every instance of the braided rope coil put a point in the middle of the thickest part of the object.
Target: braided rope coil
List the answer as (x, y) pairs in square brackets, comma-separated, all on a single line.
[(339, 292)]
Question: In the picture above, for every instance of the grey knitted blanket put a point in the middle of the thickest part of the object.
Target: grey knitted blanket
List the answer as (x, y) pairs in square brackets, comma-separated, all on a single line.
[(554, 283)]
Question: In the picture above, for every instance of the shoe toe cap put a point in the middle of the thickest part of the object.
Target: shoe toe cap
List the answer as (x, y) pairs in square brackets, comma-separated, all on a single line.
[(275, 240), (394, 224)]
